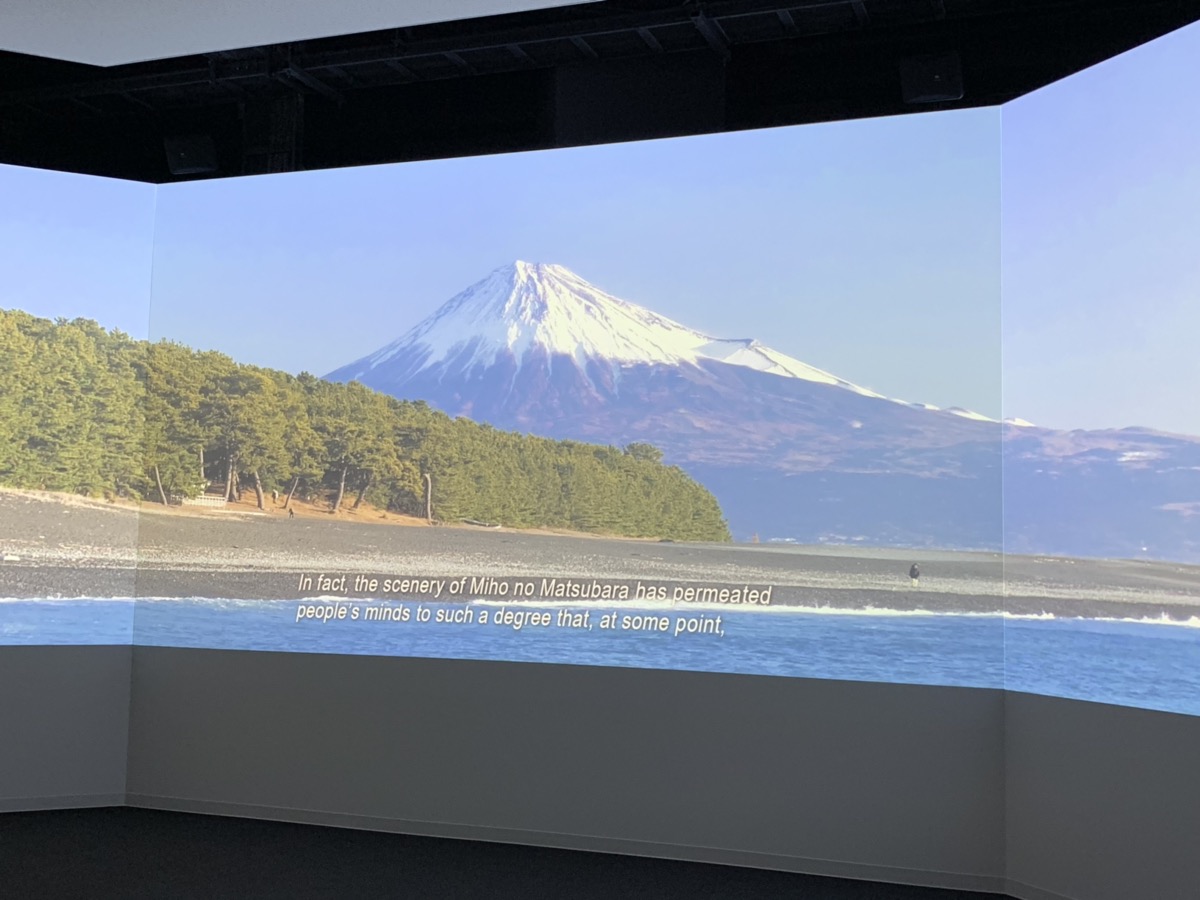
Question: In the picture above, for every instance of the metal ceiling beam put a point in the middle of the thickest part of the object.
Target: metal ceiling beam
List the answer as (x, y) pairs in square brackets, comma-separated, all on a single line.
[(131, 84), (236, 72), (650, 40), (137, 101), (584, 47), (458, 61), (343, 74), (244, 67), (519, 53), (94, 110), (396, 66), (712, 34), (295, 73)]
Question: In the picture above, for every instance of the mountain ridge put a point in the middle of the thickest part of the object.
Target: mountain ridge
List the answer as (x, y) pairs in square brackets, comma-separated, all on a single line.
[(791, 451), (523, 307)]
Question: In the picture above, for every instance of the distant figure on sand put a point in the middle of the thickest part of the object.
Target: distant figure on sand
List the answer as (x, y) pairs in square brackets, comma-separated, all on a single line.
[(915, 574), (275, 497), (291, 513)]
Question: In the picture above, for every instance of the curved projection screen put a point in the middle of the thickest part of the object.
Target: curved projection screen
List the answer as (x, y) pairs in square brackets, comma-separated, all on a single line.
[(750, 403), (1100, 314)]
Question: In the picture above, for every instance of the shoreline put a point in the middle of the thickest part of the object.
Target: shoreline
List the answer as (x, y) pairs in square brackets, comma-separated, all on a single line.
[(55, 547), (101, 583)]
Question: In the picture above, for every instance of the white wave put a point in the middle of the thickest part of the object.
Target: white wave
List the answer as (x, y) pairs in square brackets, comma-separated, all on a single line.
[(657, 606), (1191, 622)]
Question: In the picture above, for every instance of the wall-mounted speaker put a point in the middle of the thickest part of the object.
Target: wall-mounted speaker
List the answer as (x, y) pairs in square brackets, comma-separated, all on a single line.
[(934, 78), (192, 154)]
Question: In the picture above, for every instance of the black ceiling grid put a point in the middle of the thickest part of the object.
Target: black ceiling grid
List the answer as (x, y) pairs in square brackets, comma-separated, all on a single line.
[(526, 81)]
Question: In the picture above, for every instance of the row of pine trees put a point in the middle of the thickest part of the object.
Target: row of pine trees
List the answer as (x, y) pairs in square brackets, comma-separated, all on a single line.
[(90, 411)]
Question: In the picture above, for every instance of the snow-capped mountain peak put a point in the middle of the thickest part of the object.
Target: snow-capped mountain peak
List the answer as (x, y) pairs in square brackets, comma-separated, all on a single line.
[(523, 307)]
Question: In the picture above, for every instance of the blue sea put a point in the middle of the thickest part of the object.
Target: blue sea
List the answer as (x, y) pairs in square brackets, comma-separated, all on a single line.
[(1151, 665)]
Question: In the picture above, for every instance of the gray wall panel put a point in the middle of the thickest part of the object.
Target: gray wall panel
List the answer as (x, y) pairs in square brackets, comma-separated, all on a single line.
[(64, 726), (883, 777), (1103, 801)]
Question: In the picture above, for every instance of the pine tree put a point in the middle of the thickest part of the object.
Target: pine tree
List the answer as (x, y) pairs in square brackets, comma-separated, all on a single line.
[(92, 411)]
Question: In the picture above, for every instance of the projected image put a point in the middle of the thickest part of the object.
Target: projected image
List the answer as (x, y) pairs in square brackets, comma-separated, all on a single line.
[(727, 404), (76, 253), (1101, 281)]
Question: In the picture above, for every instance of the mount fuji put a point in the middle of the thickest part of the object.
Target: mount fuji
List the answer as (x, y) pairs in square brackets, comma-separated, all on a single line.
[(791, 452)]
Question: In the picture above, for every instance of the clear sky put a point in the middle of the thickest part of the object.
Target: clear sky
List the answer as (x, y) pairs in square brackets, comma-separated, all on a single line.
[(868, 248), (76, 246), (1102, 244)]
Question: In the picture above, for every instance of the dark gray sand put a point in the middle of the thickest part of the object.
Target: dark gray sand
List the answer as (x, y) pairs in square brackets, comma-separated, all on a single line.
[(52, 546)]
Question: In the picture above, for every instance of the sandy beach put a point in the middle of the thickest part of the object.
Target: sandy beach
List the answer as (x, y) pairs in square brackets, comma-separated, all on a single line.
[(56, 546)]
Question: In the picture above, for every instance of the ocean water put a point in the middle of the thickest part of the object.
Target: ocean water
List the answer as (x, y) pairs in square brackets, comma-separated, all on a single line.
[(1151, 665)]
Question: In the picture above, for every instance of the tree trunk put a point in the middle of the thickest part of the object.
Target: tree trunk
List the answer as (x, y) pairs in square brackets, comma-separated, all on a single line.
[(158, 481), (428, 498), (237, 485), (337, 501), (229, 479), (203, 479), (291, 490), (363, 490), (258, 491)]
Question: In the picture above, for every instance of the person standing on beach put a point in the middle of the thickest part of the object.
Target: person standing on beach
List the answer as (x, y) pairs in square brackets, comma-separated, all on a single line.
[(915, 574)]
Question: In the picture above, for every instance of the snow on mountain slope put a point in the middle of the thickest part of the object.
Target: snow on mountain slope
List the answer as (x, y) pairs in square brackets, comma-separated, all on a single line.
[(526, 307), (968, 414), (788, 450)]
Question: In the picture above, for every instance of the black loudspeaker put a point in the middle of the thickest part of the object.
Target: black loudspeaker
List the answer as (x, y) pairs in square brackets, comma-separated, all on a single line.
[(931, 79), (192, 154)]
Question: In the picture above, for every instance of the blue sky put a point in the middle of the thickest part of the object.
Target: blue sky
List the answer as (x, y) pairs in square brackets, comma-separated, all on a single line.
[(76, 246), (867, 248), (1102, 244)]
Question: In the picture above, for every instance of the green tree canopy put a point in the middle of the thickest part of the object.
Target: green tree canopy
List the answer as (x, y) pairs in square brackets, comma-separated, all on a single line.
[(95, 412)]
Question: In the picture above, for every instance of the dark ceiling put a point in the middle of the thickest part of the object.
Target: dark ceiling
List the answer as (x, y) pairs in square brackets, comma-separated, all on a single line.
[(616, 70)]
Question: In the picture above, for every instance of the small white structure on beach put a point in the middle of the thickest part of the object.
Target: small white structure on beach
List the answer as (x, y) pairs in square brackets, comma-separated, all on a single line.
[(212, 501)]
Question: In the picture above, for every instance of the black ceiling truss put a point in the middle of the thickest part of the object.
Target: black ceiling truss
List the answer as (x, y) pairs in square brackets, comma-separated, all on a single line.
[(330, 66), (782, 61), (471, 52)]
